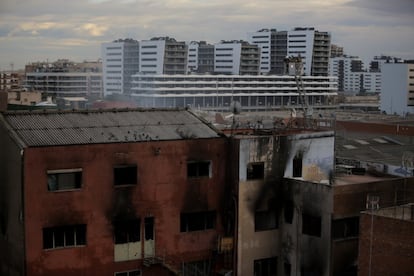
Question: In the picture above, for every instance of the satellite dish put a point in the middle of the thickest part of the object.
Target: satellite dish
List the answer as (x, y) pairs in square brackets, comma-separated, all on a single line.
[(235, 107)]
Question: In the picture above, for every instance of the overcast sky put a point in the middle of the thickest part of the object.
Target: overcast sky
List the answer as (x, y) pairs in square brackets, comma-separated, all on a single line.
[(40, 30)]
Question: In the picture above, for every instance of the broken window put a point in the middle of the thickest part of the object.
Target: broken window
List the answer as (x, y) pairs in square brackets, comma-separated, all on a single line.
[(149, 228), (127, 231), (125, 175), (197, 268), (255, 171), (288, 211), (197, 221), (128, 273), (297, 166), (345, 228), (311, 225), (58, 180), (197, 169), (265, 267), (265, 220), (64, 236)]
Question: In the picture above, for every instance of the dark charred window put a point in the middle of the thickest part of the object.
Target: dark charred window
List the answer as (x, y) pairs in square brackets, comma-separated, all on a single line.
[(255, 171), (265, 220), (197, 169), (64, 236), (297, 166), (287, 267), (149, 228), (197, 221), (265, 267), (345, 228), (125, 175), (197, 268), (60, 180), (311, 225), (126, 231), (288, 211), (128, 273)]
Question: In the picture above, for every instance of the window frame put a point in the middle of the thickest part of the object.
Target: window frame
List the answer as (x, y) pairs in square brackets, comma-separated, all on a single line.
[(252, 171), (79, 240), (311, 225), (127, 228), (197, 174), (78, 178)]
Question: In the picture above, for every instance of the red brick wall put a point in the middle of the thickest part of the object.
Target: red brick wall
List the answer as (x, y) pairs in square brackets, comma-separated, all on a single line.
[(163, 191), (397, 129), (392, 246)]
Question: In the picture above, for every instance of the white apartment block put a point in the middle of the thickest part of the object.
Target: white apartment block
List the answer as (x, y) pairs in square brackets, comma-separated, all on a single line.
[(192, 58), (371, 82), (348, 70), (313, 46), (217, 92), (263, 39), (397, 88), (227, 58), (120, 60), (151, 56)]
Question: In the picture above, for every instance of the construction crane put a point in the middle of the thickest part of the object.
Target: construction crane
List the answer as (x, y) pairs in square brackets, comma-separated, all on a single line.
[(295, 68)]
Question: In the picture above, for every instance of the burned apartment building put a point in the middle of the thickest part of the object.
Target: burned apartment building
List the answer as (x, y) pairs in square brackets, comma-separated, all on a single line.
[(119, 192), (282, 189)]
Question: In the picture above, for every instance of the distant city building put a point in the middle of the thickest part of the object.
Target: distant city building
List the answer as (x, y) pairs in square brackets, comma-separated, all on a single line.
[(378, 61), (163, 55), (10, 81), (336, 51), (371, 82), (120, 60), (264, 39), (200, 57), (397, 88), (313, 46), (65, 78), (236, 58), (218, 92), (348, 71)]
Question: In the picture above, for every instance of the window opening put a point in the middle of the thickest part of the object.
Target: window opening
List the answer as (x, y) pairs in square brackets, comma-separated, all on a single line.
[(64, 236), (58, 180), (311, 225), (288, 211), (197, 221), (265, 220), (149, 228), (198, 169), (297, 166), (265, 267), (255, 171), (127, 231), (125, 175), (345, 228)]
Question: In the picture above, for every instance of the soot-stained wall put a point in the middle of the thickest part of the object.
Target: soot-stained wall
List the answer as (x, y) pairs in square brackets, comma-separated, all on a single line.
[(276, 192), (163, 192)]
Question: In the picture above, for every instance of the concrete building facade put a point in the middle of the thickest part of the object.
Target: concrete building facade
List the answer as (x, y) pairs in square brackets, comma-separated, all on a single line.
[(284, 203), (120, 60), (236, 58), (218, 92), (397, 88)]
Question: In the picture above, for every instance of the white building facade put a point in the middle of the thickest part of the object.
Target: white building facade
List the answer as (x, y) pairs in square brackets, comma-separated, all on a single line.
[(218, 92), (120, 60), (397, 88), (263, 39), (227, 58), (151, 56)]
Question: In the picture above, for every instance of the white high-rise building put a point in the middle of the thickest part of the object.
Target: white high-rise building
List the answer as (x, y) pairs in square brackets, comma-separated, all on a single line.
[(120, 60), (236, 58), (397, 88), (263, 38), (348, 70), (313, 46), (163, 55), (371, 82)]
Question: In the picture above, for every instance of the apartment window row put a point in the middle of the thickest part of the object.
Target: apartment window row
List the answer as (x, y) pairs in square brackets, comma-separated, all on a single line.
[(70, 179), (64, 236), (148, 46), (114, 48)]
